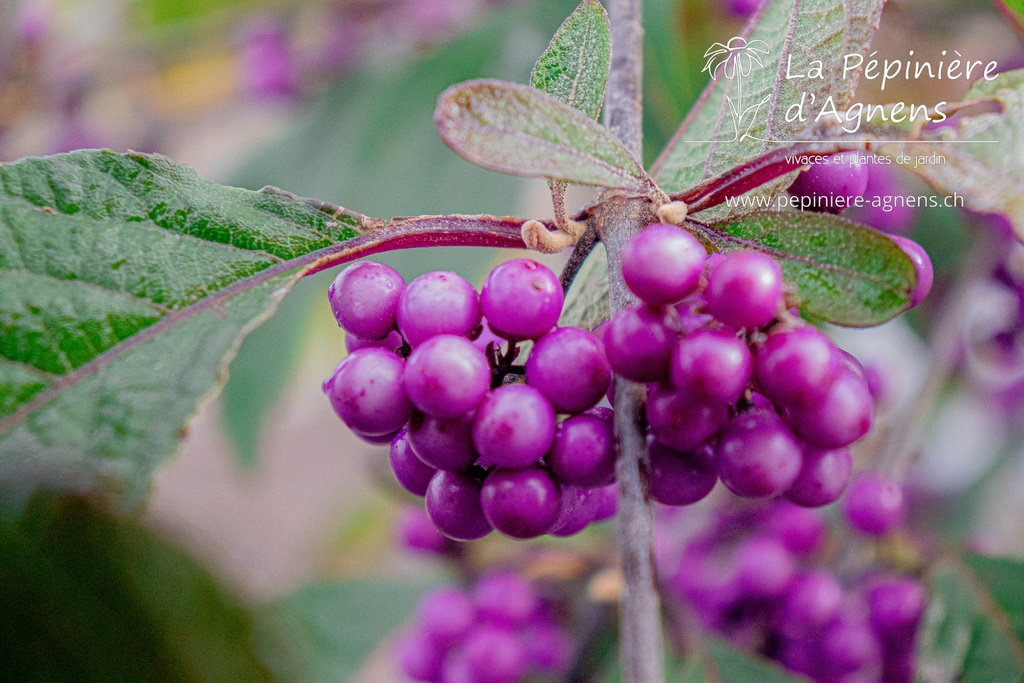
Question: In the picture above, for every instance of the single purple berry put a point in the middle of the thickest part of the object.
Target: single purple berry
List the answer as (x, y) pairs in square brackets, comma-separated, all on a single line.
[(447, 376), (802, 531), (436, 303), (367, 393), (570, 368), (680, 421), (411, 472), (607, 499), (744, 289), (495, 655), (638, 344), (896, 606), (662, 264), (823, 477), (584, 451), (677, 478), (364, 298), (521, 299), (849, 646), (764, 567), (712, 364), (514, 427), (841, 417), (521, 503), (443, 444), (832, 183), (922, 266), (797, 366), (880, 211), (758, 457), (417, 533), (418, 657), (453, 503), (874, 504), (506, 598), (579, 508), (446, 616), (812, 601)]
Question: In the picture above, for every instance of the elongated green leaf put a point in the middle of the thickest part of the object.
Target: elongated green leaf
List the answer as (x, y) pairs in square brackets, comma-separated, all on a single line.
[(971, 631), (838, 271), (574, 68), (793, 34), (982, 157), (725, 664), (90, 597), (520, 130), (126, 283), (587, 304)]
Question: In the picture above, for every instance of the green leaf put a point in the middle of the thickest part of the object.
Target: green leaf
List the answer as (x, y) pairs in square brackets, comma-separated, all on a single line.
[(839, 271), (982, 157), (91, 597), (971, 630), (709, 142), (126, 284), (520, 130), (725, 664), (326, 631), (587, 304), (1015, 5), (574, 68)]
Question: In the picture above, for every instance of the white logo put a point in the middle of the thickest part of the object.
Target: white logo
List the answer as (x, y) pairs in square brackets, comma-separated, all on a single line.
[(735, 61)]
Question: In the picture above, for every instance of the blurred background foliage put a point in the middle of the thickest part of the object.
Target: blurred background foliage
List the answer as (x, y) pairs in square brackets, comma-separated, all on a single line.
[(265, 550)]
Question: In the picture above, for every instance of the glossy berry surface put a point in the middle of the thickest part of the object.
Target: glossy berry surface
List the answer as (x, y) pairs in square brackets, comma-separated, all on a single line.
[(522, 503), (514, 427), (823, 477), (443, 444), (583, 453), (922, 266), (713, 364), (796, 366), (447, 376), (874, 504), (411, 472), (364, 298), (367, 392), (436, 303), (680, 421), (638, 344), (841, 417), (521, 299), (833, 182), (570, 368), (758, 456), (662, 264), (744, 289), (453, 503), (677, 478)]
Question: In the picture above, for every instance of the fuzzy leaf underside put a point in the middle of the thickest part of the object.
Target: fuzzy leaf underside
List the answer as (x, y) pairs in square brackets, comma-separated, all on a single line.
[(127, 283), (972, 629), (574, 68), (983, 155), (708, 143), (517, 129), (840, 272)]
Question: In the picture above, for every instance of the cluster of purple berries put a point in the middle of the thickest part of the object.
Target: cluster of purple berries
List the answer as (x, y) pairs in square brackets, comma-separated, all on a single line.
[(750, 575), (429, 371), (769, 407), (499, 632)]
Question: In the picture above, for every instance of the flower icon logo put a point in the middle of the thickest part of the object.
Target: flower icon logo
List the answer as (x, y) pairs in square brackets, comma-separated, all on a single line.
[(736, 60)]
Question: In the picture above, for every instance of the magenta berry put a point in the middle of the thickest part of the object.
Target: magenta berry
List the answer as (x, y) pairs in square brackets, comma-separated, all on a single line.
[(833, 182), (412, 473), (417, 533), (841, 417), (437, 303), (521, 299), (638, 344), (764, 567), (874, 505), (392, 342), (506, 598), (662, 264), (744, 289), (897, 605), (570, 368), (758, 456), (579, 507), (676, 478), (712, 364), (494, 655), (514, 427), (364, 298), (521, 503), (418, 657), (823, 477), (922, 266), (453, 503), (584, 451), (447, 376), (811, 602), (367, 393), (446, 615), (680, 421), (796, 366), (443, 444)]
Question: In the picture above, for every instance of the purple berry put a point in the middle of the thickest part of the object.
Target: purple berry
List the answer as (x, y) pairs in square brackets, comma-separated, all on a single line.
[(758, 456), (797, 366), (392, 342), (443, 444), (823, 477), (922, 266), (548, 648), (638, 344), (833, 182), (662, 264), (447, 376), (366, 392), (802, 531), (521, 503), (494, 655), (874, 504), (682, 422), (570, 368), (446, 616), (437, 303), (521, 299), (506, 598), (743, 8), (896, 607), (744, 289), (584, 451), (418, 657), (811, 603), (412, 473), (879, 211), (607, 499), (848, 646), (676, 478), (417, 533), (453, 503), (364, 298), (713, 364), (579, 508), (514, 427), (764, 567), (841, 417)]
